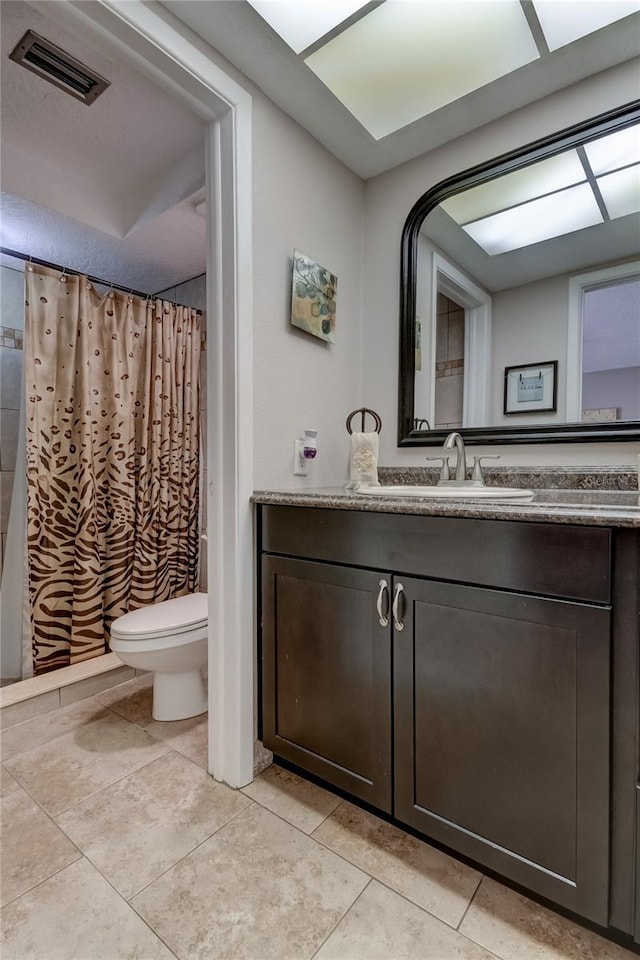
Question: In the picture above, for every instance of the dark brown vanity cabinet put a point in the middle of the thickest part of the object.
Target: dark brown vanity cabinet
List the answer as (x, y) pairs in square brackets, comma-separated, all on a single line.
[(327, 674), (479, 714), (502, 734)]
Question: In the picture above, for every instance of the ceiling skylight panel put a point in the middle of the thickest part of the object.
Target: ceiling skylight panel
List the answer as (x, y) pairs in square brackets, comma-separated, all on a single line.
[(621, 191), (538, 220), (619, 149), (565, 170), (564, 21), (404, 60), (301, 22)]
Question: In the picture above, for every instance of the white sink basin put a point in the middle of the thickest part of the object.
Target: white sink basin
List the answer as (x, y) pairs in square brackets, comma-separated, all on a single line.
[(462, 492)]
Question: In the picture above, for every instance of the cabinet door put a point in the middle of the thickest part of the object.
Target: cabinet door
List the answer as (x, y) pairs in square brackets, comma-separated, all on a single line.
[(502, 735), (327, 674)]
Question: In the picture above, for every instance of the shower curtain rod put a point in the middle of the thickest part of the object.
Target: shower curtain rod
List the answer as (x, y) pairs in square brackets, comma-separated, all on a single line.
[(78, 273)]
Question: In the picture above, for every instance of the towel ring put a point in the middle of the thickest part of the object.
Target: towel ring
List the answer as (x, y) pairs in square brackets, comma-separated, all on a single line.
[(363, 411)]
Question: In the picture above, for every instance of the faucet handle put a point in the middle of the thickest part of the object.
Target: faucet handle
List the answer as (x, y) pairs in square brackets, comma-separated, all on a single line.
[(476, 473), (444, 469)]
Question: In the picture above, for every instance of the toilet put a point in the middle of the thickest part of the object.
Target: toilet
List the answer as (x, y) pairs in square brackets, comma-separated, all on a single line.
[(169, 638)]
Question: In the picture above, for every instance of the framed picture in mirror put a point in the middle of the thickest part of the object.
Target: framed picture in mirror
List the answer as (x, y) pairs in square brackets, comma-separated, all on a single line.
[(531, 387)]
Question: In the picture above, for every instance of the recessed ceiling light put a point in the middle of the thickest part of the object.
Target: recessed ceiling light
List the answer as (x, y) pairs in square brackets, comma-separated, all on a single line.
[(540, 178), (404, 60), (541, 219), (617, 150), (301, 22), (564, 21), (621, 191)]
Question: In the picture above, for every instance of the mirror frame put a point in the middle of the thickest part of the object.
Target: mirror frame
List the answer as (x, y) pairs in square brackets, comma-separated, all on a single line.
[(569, 137)]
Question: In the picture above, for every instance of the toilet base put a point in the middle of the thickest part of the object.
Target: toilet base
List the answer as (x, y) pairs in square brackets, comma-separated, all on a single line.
[(178, 696)]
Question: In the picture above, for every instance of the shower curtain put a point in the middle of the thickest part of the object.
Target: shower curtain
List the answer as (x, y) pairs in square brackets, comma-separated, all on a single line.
[(112, 459)]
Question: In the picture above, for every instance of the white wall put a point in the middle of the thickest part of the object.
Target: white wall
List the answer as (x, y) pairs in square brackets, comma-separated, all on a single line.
[(304, 199), (390, 196)]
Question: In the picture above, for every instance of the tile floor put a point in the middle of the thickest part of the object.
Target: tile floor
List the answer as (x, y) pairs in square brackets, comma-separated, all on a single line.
[(117, 845)]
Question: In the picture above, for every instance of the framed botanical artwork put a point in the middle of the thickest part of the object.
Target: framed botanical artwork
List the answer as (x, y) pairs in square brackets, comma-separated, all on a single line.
[(531, 387), (313, 298)]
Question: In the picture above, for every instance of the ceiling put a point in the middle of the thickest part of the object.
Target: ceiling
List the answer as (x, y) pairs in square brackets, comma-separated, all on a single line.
[(112, 188), (391, 63), (238, 31)]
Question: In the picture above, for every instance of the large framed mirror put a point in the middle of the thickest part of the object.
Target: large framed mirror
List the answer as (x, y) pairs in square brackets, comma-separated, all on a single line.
[(520, 294)]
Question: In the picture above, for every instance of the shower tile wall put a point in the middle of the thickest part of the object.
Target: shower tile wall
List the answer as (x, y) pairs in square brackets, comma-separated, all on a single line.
[(11, 354), (449, 364), (193, 293)]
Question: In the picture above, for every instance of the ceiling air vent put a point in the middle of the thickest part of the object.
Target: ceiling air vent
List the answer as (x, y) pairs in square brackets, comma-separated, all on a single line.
[(58, 67)]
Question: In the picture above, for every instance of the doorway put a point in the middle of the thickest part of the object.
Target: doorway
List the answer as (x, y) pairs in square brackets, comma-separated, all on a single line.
[(167, 56)]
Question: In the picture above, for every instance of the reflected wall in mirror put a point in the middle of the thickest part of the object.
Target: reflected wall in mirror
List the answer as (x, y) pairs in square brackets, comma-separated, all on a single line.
[(532, 258)]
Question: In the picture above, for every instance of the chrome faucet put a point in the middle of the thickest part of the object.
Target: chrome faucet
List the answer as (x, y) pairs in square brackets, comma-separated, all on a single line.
[(455, 440)]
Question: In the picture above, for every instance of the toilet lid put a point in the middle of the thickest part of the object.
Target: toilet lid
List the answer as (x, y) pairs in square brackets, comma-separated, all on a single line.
[(162, 619)]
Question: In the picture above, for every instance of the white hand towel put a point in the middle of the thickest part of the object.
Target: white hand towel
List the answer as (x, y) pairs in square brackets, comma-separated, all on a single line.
[(363, 460)]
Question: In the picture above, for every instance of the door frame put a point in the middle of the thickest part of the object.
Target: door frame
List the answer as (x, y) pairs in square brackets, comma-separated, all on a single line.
[(176, 59), (448, 279), (578, 286)]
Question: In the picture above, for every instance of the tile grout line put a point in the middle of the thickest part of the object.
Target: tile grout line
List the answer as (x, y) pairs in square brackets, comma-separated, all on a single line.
[(465, 935), (21, 753), (108, 786), (393, 890), (100, 705), (473, 896), (131, 907), (382, 883), (55, 873), (51, 816), (338, 922), (188, 853)]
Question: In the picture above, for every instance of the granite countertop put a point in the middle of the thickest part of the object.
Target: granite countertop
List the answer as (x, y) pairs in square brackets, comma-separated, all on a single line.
[(588, 507)]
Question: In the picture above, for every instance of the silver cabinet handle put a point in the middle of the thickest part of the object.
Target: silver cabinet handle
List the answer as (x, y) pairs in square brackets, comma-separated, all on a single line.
[(383, 593), (397, 593)]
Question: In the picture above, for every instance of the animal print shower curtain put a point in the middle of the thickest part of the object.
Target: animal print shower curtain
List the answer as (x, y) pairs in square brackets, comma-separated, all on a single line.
[(112, 459)]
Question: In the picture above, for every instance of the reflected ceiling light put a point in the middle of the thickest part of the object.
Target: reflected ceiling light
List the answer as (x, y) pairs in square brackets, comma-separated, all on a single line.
[(547, 176), (404, 60), (621, 191), (617, 150), (301, 22), (564, 21), (541, 219)]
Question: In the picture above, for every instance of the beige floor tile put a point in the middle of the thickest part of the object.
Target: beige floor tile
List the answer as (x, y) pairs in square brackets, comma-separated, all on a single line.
[(83, 761), (33, 848), (299, 801), (7, 783), (189, 737), (76, 915), (39, 730), (137, 828), (382, 925), (132, 700), (428, 877), (259, 888), (516, 928)]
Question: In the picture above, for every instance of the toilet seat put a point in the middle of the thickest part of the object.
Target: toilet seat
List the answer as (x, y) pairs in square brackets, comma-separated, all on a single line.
[(170, 618)]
